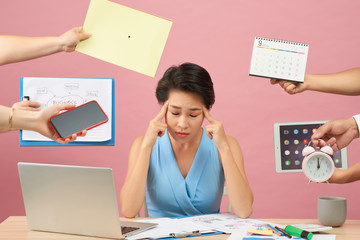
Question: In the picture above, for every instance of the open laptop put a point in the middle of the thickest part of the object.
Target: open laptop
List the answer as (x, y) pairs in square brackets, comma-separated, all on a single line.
[(75, 200)]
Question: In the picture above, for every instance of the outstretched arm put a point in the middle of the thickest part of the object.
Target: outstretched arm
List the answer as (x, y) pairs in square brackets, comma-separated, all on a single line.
[(19, 48), (345, 83)]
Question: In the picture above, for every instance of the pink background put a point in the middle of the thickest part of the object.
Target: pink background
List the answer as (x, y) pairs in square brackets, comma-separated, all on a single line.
[(217, 35)]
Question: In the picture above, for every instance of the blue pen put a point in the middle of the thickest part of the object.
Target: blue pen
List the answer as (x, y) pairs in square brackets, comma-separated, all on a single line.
[(274, 229)]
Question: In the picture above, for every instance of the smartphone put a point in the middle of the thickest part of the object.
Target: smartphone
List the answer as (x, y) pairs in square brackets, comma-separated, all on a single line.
[(75, 120)]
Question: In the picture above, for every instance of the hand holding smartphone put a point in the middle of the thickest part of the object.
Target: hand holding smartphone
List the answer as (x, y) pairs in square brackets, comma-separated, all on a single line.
[(75, 120)]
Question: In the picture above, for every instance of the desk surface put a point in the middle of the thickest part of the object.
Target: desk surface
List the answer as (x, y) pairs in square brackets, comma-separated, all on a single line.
[(16, 228)]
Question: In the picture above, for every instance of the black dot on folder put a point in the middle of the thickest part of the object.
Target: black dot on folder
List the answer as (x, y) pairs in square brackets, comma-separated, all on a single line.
[(129, 36)]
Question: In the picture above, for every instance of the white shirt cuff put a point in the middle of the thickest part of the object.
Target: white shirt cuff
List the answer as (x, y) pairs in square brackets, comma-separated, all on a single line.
[(357, 120)]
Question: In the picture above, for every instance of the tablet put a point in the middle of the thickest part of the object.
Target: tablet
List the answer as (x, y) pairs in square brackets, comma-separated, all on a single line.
[(289, 140)]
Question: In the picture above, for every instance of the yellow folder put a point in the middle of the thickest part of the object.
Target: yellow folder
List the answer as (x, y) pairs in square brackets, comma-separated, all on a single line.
[(124, 36)]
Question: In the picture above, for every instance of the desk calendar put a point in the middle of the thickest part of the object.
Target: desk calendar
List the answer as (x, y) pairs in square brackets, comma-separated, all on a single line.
[(278, 59)]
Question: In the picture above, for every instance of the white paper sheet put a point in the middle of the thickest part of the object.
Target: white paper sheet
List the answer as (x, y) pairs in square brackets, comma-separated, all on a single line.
[(167, 225), (50, 91), (227, 222)]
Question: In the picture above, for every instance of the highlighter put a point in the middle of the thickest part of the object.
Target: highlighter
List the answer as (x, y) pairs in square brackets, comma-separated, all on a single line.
[(297, 232)]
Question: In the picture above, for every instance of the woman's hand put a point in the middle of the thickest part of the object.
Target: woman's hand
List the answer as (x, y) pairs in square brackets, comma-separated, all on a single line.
[(215, 130), (156, 127)]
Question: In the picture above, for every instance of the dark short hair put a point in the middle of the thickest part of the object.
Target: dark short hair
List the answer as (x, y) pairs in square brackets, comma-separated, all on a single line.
[(187, 77)]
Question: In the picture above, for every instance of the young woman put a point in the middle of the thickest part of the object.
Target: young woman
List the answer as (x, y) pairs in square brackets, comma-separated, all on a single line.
[(180, 166)]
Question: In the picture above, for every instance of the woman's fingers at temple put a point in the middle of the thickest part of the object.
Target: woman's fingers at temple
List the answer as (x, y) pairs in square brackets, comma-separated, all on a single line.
[(163, 111), (207, 115)]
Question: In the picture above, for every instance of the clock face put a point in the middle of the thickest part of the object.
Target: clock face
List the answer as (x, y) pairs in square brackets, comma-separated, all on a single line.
[(319, 167)]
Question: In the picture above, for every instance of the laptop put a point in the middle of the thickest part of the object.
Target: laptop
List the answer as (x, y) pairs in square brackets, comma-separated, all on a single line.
[(74, 200)]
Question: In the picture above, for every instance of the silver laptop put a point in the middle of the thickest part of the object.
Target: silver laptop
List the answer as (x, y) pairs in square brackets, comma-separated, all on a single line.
[(74, 200)]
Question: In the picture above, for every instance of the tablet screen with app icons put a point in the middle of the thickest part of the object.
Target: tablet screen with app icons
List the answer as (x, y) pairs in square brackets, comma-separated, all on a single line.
[(290, 138)]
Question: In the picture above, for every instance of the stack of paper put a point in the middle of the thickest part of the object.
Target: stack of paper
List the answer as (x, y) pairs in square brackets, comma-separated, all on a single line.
[(166, 226)]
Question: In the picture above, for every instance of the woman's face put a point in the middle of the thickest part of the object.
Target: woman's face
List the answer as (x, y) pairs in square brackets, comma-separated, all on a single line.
[(184, 116)]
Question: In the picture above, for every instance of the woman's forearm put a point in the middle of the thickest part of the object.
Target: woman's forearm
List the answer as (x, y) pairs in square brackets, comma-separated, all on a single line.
[(240, 193), (133, 191)]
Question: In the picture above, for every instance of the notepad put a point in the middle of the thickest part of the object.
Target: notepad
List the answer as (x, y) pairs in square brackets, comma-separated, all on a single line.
[(278, 59), (124, 36)]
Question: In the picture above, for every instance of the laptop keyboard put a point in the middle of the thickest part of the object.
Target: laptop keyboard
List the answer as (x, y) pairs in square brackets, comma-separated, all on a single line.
[(125, 230)]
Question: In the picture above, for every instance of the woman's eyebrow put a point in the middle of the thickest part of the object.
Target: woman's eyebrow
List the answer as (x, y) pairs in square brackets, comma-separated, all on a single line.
[(191, 109), (173, 106)]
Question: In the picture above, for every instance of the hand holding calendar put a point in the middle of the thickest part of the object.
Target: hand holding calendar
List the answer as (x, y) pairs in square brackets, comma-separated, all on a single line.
[(290, 87), (278, 59)]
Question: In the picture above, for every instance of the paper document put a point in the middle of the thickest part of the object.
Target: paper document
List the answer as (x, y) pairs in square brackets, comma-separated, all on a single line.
[(124, 36), (227, 222), (50, 91), (168, 226)]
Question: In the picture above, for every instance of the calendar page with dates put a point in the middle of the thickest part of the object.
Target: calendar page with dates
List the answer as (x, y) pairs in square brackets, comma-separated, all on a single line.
[(278, 59)]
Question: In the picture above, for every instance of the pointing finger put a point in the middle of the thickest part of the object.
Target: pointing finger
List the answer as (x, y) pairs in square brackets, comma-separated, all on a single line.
[(207, 115), (163, 111)]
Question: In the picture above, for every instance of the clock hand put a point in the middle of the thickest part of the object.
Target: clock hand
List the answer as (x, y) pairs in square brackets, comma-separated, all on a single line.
[(318, 163)]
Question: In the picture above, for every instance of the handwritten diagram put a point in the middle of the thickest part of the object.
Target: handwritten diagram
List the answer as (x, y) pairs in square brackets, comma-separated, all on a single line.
[(51, 91)]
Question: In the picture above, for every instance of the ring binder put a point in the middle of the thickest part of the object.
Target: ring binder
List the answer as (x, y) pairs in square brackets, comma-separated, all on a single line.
[(281, 41)]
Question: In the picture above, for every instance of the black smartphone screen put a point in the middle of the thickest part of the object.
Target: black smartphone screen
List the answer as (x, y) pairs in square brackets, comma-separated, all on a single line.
[(83, 117)]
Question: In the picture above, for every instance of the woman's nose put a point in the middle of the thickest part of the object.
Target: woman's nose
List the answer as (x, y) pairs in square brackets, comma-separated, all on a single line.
[(182, 122)]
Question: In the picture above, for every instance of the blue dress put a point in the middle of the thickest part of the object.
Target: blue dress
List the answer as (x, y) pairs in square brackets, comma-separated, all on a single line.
[(169, 194)]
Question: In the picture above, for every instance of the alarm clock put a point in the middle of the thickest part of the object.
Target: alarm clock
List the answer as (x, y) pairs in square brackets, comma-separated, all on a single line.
[(318, 164)]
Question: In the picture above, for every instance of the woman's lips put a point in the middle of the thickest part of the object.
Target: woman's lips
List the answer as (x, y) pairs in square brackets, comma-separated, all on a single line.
[(182, 134)]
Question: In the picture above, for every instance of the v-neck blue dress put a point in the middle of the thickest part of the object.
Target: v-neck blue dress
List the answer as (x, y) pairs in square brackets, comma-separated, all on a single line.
[(169, 194)]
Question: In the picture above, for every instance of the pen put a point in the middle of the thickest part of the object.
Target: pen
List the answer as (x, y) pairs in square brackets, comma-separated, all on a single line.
[(282, 230), (184, 234), (277, 232)]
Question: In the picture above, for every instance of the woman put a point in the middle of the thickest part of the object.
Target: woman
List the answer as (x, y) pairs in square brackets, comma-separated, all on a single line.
[(180, 166)]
